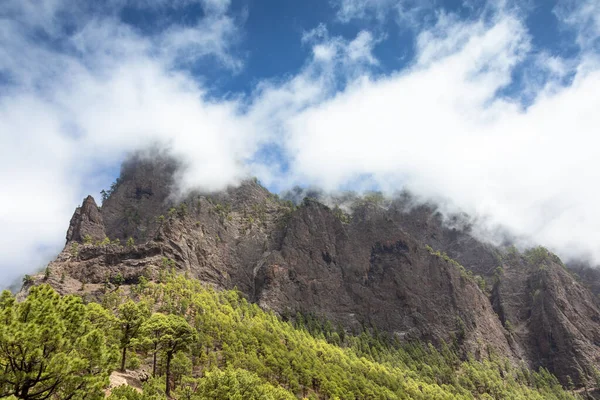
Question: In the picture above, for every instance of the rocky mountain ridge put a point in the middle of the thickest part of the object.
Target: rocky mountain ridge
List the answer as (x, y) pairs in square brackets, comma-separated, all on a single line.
[(391, 266)]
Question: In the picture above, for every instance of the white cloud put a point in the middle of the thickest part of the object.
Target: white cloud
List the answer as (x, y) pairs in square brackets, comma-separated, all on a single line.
[(210, 36), (340, 52), (65, 115), (440, 129), (316, 34)]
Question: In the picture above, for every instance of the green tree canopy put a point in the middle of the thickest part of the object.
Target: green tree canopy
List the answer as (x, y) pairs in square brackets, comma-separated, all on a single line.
[(49, 348), (131, 316), (177, 336)]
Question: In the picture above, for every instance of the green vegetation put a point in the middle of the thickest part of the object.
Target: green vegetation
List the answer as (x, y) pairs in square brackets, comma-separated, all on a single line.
[(172, 212), (464, 273), (182, 210), (27, 280), (50, 348), (118, 279), (167, 263), (537, 255), (130, 317), (206, 344), (509, 327), (540, 257), (222, 210), (341, 215), (75, 249), (105, 194)]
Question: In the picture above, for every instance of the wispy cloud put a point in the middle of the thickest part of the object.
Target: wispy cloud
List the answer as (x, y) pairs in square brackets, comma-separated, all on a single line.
[(409, 14), (583, 16)]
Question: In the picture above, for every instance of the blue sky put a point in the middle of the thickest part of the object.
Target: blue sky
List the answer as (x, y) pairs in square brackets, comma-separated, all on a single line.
[(270, 45), (486, 107)]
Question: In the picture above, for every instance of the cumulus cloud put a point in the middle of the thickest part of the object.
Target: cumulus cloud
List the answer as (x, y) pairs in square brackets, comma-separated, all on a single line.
[(337, 51), (443, 127)]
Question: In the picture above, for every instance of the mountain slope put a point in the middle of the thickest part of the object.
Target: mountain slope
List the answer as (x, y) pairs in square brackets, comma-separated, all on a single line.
[(384, 267), (235, 350)]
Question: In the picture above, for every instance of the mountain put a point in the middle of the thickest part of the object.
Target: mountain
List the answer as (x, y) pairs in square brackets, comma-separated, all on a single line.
[(383, 265)]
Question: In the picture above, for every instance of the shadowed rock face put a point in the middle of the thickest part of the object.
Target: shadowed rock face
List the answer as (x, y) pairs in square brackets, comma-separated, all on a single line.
[(370, 272), (140, 196), (553, 318), (372, 269)]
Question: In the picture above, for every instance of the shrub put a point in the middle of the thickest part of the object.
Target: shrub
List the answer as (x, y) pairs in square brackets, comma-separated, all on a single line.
[(537, 255), (182, 210), (509, 327), (341, 215), (133, 361), (118, 279)]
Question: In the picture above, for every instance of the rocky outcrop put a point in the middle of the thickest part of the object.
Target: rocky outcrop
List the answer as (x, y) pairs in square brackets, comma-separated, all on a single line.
[(86, 221), (551, 316), (139, 196)]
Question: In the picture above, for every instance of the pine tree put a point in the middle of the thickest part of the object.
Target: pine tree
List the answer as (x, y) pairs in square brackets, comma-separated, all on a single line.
[(177, 337), (49, 348), (151, 333), (131, 316)]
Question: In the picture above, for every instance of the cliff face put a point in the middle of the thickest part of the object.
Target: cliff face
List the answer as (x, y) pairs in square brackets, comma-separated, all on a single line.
[(371, 272), (374, 268), (86, 221)]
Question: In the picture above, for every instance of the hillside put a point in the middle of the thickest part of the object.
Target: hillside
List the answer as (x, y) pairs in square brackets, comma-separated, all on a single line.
[(209, 344), (379, 265)]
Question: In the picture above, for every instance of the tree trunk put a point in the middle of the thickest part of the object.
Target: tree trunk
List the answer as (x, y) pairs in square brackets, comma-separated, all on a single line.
[(25, 392), (154, 361), (123, 359), (168, 372)]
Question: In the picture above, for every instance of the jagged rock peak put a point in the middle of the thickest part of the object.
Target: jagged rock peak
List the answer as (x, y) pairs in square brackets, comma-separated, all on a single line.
[(86, 220)]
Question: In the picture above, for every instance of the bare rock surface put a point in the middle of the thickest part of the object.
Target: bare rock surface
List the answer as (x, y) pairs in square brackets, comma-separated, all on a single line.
[(86, 221)]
